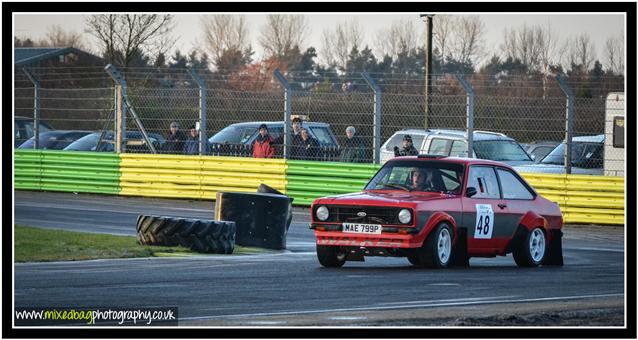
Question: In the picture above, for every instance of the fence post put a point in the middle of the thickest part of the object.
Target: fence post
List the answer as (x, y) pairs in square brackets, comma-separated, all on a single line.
[(569, 121), (120, 116), (287, 110), (203, 136), (376, 142), (469, 115), (36, 107)]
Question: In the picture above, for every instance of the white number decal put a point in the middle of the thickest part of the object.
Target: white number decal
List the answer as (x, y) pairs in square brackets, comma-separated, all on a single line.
[(484, 221)]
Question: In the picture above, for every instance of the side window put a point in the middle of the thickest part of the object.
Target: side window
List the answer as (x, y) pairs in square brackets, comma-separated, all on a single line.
[(459, 149), (417, 142), (439, 146), (483, 179), (395, 140), (512, 187), (322, 135), (28, 130)]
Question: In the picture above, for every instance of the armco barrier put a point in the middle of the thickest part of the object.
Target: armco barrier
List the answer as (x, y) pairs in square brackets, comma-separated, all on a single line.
[(199, 177), (89, 172), (583, 198), (308, 180)]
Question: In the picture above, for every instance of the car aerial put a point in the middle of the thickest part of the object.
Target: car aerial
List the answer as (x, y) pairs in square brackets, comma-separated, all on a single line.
[(23, 129), (464, 208), (104, 142), (587, 158), (539, 149), (487, 145), (244, 134), (55, 139)]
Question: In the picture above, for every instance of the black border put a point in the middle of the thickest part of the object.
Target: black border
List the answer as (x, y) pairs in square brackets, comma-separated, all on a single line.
[(357, 7)]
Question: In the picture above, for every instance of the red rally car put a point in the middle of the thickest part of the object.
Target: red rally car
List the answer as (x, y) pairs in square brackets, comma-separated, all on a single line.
[(439, 211)]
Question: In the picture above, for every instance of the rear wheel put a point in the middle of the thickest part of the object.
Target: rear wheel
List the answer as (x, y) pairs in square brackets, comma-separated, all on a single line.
[(331, 257), (437, 249), (531, 252)]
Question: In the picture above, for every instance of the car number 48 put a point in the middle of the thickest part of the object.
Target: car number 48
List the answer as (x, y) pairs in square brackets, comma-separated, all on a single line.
[(484, 221)]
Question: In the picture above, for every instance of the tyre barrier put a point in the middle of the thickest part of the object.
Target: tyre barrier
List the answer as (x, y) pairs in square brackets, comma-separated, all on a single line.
[(262, 219), (203, 236)]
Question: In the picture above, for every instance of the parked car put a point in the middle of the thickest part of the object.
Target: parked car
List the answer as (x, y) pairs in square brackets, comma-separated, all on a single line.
[(55, 139), (587, 158), (539, 149), (470, 208), (23, 129), (134, 142), (243, 135), (487, 145)]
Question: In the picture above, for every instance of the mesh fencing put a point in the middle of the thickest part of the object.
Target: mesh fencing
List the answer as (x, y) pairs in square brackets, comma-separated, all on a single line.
[(530, 109)]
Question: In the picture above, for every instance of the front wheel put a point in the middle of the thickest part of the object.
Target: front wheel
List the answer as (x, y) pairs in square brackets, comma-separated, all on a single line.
[(437, 249), (331, 257), (531, 252)]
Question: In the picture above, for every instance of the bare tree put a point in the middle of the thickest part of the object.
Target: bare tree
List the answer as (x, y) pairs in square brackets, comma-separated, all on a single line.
[(336, 45), (128, 37), (466, 44), (283, 32), (534, 46), (401, 37), (223, 33), (58, 37), (614, 48), (581, 51), (442, 31)]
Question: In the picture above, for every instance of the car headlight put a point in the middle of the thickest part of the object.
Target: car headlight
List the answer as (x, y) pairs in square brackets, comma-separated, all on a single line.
[(405, 216), (322, 213)]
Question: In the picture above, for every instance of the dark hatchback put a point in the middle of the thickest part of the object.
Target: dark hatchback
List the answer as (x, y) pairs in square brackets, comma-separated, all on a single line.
[(54, 140)]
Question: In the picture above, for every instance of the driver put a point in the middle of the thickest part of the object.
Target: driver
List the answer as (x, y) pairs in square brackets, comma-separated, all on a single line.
[(423, 179)]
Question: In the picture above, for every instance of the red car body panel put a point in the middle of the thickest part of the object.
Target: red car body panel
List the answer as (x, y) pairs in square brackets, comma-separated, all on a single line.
[(431, 208)]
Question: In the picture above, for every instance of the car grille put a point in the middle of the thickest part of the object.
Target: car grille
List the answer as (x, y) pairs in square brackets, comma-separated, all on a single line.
[(374, 215)]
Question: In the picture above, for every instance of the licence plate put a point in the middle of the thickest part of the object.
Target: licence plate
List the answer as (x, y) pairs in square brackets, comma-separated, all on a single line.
[(362, 228)]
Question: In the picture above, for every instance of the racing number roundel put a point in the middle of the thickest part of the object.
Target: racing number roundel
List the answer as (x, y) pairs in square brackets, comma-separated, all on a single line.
[(484, 221)]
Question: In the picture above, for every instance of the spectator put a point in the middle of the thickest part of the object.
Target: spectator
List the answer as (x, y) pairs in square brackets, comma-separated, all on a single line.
[(408, 149), (353, 151), (295, 143), (309, 147), (191, 146), (175, 139), (263, 147)]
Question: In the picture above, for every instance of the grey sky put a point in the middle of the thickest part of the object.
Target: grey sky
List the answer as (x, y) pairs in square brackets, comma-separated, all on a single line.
[(188, 28)]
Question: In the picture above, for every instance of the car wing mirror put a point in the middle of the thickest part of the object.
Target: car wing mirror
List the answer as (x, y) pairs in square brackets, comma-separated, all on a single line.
[(470, 191)]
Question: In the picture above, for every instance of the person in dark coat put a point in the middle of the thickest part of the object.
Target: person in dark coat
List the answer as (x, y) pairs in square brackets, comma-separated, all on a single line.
[(408, 149), (354, 150), (263, 147), (295, 136), (308, 147), (175, 139), (191, 146)]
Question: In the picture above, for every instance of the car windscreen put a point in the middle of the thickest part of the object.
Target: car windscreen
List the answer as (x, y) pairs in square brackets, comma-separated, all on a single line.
[(586, 155), (413, 176), (233, 135), (500, 150)]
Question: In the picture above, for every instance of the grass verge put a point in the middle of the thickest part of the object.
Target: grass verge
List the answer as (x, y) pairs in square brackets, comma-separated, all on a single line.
[(43, 245)]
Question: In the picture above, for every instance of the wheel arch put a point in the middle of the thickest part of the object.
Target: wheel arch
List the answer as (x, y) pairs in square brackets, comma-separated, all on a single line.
[(436, 219)]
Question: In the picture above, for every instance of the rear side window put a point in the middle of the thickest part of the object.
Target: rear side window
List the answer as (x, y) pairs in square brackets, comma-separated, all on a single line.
[(439, 146), (512, 187), (395, 140), (459, 149), (483, 179), (323, 135)]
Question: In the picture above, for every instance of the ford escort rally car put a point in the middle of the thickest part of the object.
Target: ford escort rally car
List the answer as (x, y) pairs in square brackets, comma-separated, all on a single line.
[(439, 211)]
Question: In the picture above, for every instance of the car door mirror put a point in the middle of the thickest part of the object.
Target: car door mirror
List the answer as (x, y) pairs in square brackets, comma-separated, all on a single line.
[(470, 191)]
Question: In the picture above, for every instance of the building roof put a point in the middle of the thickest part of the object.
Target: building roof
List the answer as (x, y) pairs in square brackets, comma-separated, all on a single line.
[(30, 55)]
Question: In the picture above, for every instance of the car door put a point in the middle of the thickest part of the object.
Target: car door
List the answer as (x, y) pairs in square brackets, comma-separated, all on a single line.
[(484, 214), (517, 197)]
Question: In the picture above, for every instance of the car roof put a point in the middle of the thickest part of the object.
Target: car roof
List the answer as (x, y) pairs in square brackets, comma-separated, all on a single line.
[(275, 123), (590, 139), (458, 160), (477, 134)]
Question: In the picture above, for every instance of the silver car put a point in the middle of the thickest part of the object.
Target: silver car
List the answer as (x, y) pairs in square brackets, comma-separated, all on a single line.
[(587, 158)]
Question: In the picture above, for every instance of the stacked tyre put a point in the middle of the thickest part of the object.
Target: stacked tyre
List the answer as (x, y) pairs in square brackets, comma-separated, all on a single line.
[(204, 236)]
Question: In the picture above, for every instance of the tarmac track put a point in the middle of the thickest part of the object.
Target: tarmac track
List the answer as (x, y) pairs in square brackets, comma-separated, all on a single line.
[(290, 288)]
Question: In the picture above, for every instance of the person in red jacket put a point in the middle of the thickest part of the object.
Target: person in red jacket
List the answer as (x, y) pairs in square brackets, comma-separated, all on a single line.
[(263, 147)]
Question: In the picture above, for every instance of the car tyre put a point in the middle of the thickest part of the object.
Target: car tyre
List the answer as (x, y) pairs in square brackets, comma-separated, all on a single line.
[(414, 260), (437, 249), (531, 252), (330, 256)]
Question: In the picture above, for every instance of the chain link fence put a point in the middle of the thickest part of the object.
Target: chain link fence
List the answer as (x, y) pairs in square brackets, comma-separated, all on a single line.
[(530, 109)]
